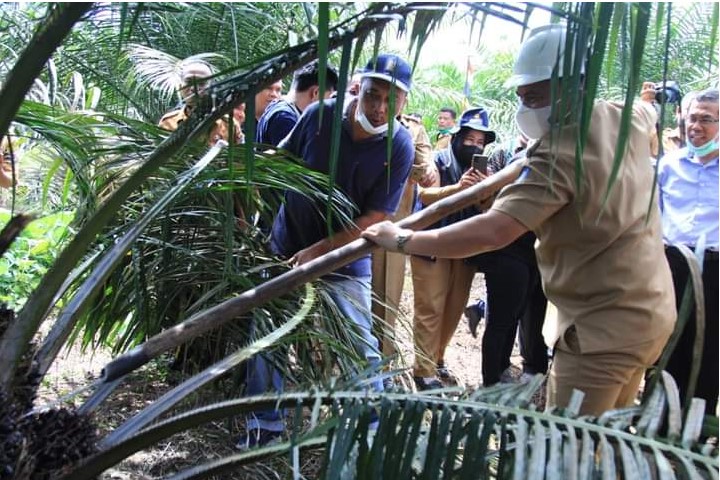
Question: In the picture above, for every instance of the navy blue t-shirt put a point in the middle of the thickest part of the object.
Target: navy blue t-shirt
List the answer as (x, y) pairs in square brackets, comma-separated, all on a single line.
[(363, 174), (276, 122)]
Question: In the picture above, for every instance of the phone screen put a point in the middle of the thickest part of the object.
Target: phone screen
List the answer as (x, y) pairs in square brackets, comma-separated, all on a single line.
[(479, 163)]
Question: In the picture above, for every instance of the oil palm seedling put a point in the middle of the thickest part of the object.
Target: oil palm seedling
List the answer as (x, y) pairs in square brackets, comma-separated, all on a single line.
[(157, 260)]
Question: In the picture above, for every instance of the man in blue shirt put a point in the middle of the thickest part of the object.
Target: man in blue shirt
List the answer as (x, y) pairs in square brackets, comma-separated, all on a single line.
[(365, 173), (281, 115), (688, 187)]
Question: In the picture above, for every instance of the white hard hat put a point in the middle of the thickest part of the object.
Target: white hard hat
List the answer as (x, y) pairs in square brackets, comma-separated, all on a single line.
[(539, 53)]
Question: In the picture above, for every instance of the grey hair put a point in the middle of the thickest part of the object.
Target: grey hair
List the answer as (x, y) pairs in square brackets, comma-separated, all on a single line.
[(709, 95)]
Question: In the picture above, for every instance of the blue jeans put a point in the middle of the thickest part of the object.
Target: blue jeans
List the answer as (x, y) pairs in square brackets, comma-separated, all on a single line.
[(352, 297)]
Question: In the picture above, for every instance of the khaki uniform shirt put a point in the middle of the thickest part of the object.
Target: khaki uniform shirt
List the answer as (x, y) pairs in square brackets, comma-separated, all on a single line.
[(6, 170), (423, 156), (171, 121), (443, 141), (672, 140), (603, 266)]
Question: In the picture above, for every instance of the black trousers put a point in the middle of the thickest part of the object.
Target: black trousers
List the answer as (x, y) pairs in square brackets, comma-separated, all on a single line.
[(682, 357), (514, 295), (532, 344)]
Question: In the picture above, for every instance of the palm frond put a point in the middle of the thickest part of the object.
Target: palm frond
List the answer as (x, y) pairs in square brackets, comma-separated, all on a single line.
[(288, 281), (11, 230), (175, 395), (161, 71), (493, 432), (94, 281), (61, 18)]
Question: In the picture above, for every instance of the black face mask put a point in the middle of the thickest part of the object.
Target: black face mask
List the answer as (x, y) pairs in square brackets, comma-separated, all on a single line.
[(464, 153)]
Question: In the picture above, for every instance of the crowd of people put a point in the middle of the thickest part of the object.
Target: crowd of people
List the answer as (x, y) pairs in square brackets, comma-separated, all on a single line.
[(539, 233)]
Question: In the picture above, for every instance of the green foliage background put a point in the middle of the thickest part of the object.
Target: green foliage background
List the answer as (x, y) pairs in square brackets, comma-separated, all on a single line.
[(91, 117)]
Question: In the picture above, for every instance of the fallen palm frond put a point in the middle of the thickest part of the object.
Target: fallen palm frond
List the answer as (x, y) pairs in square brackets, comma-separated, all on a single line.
[(490, 434)]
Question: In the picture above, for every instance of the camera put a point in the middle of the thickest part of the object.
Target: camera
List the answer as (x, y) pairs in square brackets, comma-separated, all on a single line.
[(669, 92)]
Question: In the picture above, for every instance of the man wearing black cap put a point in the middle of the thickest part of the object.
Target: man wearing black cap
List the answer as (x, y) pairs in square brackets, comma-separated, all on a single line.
[(441, 286), (372, 181)]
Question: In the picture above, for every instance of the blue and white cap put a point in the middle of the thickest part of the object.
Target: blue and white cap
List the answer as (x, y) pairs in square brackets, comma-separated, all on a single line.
[(476, 119), (391, 68)]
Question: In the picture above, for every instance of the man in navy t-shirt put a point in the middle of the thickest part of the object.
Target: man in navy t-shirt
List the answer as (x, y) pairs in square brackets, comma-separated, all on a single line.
[(281, 115), (370, 179)]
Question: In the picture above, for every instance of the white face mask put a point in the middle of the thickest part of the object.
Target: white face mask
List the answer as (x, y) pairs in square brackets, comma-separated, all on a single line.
[(533, 122), (365, 123)]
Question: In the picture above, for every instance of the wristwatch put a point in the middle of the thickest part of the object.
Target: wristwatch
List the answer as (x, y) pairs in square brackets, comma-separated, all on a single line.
[(400, 240)]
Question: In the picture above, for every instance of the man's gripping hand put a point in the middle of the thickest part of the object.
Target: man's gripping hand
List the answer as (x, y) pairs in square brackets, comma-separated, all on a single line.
[(385, 234)]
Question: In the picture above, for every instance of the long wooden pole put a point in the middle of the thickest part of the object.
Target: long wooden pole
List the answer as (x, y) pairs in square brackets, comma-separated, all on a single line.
[(218, 315)]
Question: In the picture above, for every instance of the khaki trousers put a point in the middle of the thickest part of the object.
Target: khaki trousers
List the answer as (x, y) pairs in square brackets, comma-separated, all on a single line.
[(609, 379), (388, 278), (441, 290)]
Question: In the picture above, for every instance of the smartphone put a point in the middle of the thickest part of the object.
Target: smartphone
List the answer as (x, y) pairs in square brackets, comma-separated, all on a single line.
[(479, 163)]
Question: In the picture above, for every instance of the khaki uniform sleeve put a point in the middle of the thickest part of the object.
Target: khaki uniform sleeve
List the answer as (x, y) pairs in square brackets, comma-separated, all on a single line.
[(170, 120), (423, 149), (219, 131), (442, 142), (545, 185), (431, 195)]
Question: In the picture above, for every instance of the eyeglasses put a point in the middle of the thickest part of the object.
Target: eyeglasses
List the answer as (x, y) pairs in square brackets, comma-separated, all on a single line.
[(705, 120)]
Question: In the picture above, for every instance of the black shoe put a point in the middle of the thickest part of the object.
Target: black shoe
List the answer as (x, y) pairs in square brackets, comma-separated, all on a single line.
[(474, 317), (257, 437), (446, 377), (443, 372), (432, 384), (388, 384)]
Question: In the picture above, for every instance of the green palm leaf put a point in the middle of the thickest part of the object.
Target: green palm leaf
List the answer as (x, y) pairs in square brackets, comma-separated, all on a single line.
[(474, 425), (61, 18), (66, 319), (640, 17), (191, 385)]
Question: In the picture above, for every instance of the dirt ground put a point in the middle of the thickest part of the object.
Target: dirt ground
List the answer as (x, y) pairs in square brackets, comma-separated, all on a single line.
[(74, 370), (464, 354)]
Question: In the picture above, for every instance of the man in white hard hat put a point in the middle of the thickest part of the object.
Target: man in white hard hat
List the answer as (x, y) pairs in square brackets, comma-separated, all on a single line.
[(598, 259)]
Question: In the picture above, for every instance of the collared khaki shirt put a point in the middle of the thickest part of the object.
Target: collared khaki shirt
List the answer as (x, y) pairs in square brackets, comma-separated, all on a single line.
[(603, 266), (171, 121), (672, 140), (423, 156), (443, 141)]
